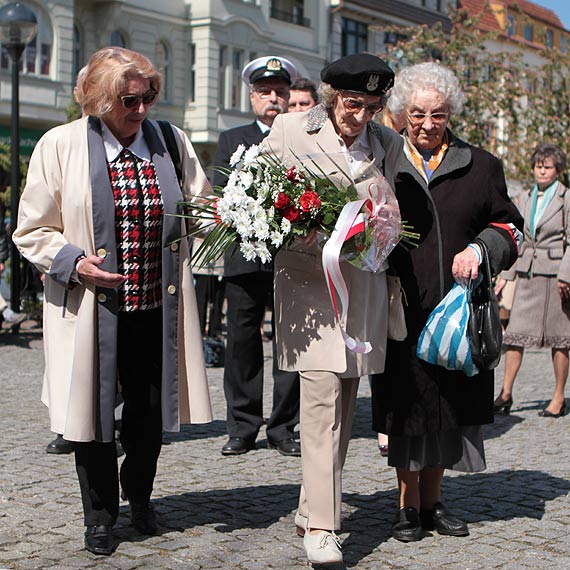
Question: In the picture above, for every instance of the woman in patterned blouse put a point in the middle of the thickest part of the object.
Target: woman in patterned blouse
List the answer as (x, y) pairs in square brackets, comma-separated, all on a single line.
[(97, 216)]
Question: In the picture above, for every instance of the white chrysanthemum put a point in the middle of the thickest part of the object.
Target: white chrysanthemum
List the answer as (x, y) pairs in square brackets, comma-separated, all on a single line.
[(276, 238), (250, 155), (237, 155), (245, 179), (248, 250), (262, 252), (261, 229), (270, 213), (285, 226), (233, 180)]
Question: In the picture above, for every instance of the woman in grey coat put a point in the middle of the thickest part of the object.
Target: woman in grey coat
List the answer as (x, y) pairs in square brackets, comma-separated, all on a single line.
[(540, 315)]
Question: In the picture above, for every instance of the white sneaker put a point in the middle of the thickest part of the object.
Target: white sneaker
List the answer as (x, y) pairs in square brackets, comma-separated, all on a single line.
[(12, 317), (300, 523), (322, 548)]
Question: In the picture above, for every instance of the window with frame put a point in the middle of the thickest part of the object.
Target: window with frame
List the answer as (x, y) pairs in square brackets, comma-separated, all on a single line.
[(549, 38), (237, 65), (354, 37), (222, 63), (119, 39), (529, 32), (290, 11), (563, 43), (511, 25), (36, 58), (192, 74), (77, 54)]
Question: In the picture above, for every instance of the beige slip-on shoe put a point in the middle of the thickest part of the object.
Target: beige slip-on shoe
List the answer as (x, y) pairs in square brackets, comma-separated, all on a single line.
[(300, 523)]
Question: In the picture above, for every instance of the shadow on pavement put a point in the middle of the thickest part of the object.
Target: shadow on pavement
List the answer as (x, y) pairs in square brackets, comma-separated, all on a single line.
[(192, 432), (21, 339)]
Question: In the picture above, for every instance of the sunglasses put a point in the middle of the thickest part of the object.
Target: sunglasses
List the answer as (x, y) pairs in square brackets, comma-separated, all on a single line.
[(354, 105), (133, 101)]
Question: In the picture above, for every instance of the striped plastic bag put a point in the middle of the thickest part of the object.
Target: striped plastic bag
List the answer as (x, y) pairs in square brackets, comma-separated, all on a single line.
[(445, 338)]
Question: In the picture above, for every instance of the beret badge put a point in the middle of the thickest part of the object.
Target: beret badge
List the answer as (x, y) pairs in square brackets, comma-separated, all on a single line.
[(373, 80)]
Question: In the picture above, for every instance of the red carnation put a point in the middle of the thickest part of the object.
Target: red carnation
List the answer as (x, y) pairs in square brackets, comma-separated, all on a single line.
[(293, 175), (217, 218), (309, 201), (292, 214), (282, 201)]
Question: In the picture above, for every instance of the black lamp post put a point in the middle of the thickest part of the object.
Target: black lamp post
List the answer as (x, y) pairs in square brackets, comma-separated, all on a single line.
[(18, 26)]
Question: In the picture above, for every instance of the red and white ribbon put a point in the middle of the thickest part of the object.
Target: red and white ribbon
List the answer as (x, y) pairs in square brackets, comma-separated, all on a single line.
[(349, 223)]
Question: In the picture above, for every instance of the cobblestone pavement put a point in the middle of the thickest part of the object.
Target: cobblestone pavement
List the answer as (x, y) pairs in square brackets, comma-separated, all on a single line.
[(237, 513)]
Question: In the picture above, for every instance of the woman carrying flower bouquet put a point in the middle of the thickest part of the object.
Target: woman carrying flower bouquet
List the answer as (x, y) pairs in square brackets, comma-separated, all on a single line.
[(453, 194), (337, 133)]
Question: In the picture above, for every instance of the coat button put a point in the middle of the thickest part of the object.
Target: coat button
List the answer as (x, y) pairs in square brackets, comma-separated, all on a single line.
[(174, 246), (101, 297), (171, 289), (101, 252)]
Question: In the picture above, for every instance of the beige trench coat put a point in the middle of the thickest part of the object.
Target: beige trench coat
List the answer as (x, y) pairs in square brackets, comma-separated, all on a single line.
[(56, 221), (308, 337)]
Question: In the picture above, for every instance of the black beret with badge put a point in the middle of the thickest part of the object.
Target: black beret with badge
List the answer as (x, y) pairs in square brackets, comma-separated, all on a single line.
[(269, 66), (360, 72)]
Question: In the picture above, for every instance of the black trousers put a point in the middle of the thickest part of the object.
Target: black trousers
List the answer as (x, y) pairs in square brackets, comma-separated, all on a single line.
[(247, 296), (139, 364), (210, 294)]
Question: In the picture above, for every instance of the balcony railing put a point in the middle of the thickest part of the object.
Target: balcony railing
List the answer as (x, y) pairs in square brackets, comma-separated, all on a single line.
[(293, 17)]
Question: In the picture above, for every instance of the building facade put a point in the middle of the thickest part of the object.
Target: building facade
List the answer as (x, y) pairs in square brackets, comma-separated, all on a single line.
[(200, 46)]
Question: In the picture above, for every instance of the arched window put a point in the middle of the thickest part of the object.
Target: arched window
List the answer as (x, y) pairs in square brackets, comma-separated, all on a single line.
[(119, 39), (36, 59), (77, 54), (162, 62)]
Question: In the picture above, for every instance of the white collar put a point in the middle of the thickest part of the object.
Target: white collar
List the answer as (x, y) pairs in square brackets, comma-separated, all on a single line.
[(262, 126), (113, 147)]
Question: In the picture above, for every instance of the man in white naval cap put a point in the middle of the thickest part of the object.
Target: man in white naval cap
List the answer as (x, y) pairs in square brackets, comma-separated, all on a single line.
[(249, 288)]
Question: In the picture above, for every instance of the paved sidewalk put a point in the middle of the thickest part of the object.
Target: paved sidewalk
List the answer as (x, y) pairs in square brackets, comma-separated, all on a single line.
[(237, 513)]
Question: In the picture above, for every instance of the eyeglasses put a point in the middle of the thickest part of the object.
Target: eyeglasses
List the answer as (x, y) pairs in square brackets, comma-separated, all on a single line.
[(133, 101), (265, 92), (354, 105), (419, 118)]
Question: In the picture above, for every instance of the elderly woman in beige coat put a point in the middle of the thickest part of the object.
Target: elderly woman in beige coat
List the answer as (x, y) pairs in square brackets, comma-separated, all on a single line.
[(309, 340), (540, 315), (120, 310)]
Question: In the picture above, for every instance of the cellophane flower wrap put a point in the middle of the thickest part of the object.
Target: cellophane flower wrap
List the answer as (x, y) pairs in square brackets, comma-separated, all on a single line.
[(266, 203)]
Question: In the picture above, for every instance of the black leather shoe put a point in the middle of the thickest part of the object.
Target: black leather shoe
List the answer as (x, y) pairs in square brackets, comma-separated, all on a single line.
[(99, 539), (143, 518), (59, 445), (290, 447), (440, 520), (546, 414), (237, 446), (407, 527)]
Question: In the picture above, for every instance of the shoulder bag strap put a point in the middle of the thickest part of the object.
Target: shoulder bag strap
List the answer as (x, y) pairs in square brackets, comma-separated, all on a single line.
[(172, 147)]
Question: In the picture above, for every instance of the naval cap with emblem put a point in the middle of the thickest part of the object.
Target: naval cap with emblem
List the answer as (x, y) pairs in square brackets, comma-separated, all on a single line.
[(269, 66), (360, 72)]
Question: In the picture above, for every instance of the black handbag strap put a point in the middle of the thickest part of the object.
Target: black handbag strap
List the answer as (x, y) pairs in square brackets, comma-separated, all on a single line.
[(486, 266), (171, 147)]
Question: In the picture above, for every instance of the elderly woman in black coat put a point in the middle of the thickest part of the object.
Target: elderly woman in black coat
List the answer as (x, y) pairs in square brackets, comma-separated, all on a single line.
[(454, 195)]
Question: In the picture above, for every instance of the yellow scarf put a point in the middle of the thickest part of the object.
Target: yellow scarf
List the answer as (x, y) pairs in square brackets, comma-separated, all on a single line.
[(417, 159)]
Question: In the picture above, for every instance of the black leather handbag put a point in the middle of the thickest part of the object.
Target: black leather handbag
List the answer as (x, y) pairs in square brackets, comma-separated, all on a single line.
[(485, 331)]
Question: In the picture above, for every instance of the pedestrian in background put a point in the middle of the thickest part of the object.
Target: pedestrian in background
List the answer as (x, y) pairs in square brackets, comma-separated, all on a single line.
[(303, 95), (540, 314), (98, 217), (249, 288)]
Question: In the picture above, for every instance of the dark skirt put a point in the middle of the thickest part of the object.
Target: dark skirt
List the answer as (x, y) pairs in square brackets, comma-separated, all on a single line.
[(538, 316), (459, 449)]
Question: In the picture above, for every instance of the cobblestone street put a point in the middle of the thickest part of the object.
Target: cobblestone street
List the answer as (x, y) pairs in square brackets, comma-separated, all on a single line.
[(237, 513)]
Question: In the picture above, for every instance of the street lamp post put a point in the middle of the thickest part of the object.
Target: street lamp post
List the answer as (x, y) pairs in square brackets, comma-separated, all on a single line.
[(18, 26)]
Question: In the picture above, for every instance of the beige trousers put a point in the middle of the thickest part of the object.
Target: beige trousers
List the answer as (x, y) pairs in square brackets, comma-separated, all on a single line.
[(327, 407)]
